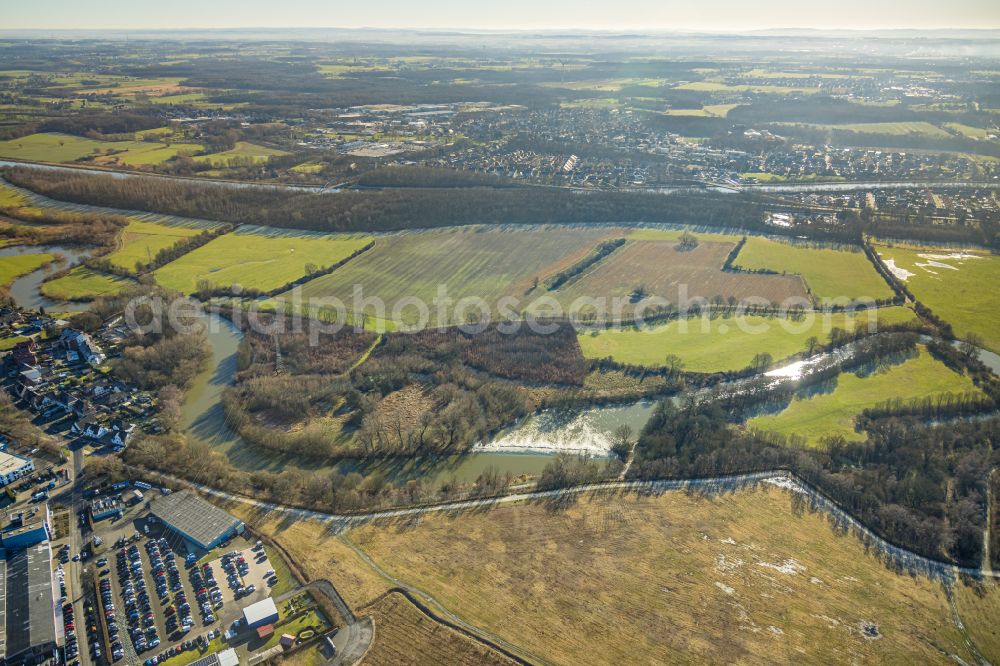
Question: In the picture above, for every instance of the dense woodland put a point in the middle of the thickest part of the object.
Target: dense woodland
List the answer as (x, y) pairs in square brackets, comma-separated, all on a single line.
[(434, 391), (401, 208)]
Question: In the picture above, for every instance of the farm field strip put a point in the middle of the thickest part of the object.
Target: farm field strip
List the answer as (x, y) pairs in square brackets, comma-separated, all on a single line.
[(831, 408), (960, 286), (728, 343), (665, 272), (258, 258), (921, 128), (467, 262), (829, 273)]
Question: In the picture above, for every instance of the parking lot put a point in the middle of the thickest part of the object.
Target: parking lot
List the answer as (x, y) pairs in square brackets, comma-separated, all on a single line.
[(159, 601)]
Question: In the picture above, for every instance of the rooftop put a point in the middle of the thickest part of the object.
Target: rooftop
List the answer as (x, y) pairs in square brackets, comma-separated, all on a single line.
[(195, 518), (223, 658), (10, 463), (260, 611), (30, 605)]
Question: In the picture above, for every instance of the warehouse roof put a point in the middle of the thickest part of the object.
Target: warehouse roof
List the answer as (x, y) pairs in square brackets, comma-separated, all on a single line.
[(261, 610), (30, 612), (196, 519)]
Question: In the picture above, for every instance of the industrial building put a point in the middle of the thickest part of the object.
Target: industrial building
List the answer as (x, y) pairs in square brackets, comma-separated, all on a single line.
[(260, 614), (106, 507), (198, 522), (13, 467), (28, 633), (25, 535)]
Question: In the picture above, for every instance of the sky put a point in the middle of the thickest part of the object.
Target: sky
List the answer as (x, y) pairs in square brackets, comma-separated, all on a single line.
[(650, 15)]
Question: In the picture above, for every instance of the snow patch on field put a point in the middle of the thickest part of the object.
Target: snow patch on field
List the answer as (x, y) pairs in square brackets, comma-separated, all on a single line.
[(785, 482), (898, 271), (725, 588), (945, 257), (935, 264), (937, 260), (725, 565), (789, 567)]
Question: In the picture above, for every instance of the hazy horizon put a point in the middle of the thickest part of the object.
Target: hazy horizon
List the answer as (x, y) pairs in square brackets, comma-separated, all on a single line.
[(585, 15)]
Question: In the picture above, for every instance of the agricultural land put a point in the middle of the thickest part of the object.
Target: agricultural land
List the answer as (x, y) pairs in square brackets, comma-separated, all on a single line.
[(715, 344), (954, 284), (830, 274), (830, 408), (258, 258)]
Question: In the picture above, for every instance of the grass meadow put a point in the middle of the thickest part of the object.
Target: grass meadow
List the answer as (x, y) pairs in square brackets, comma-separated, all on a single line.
[(829, 273), (82, 283), (52, 147), (141, 240), (243, 150), (740, 577), (832, 411), (257, 258), (17, 265), (722, 343), (960, 286)]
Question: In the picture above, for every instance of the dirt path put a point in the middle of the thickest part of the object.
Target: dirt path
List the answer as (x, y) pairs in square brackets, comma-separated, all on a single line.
[(628, 463), (987, 565)]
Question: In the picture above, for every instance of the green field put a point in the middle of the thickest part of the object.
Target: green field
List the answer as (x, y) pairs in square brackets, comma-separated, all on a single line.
[(83, 283), (243, 150), (14, 267), (830, 414), (68, 148), (727, 343), (959, 286), (141, 240), (257, 258), (183, 98), (709, 111), (970, 131), (922, 128), (829, 273), (714, 86), (760, 73), (467, 262)]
